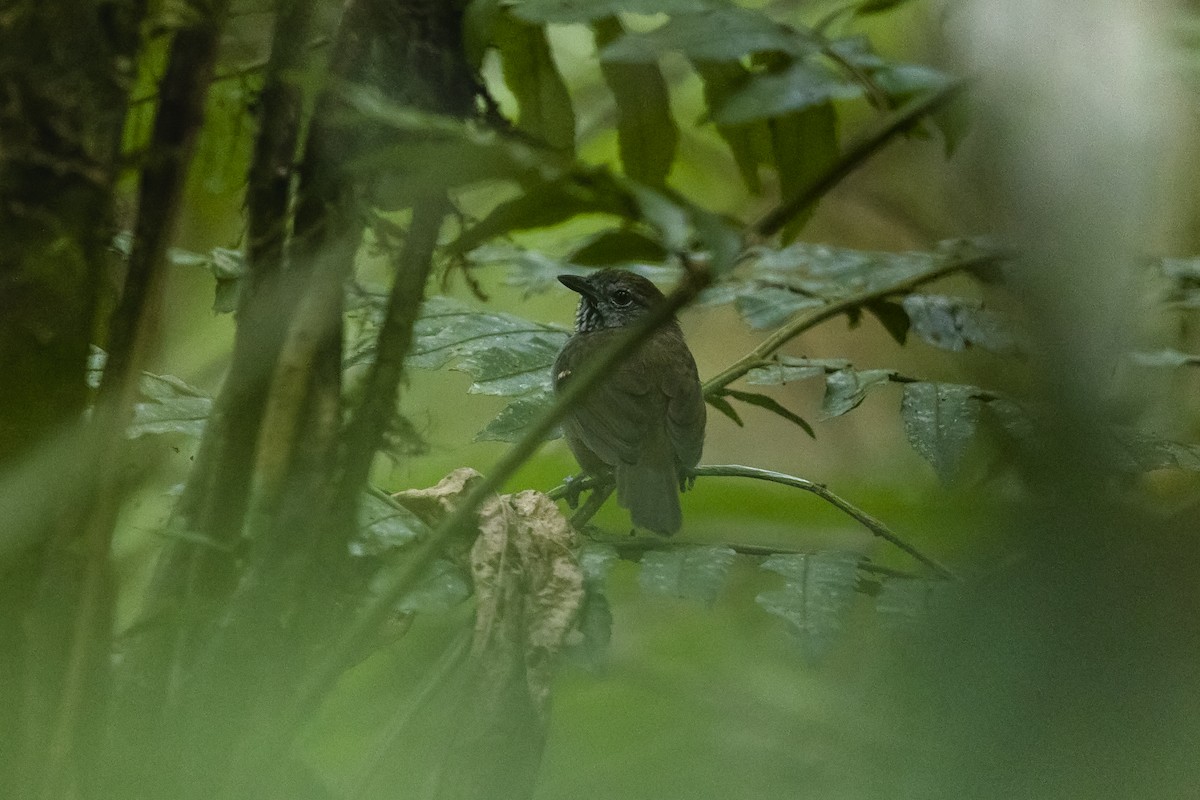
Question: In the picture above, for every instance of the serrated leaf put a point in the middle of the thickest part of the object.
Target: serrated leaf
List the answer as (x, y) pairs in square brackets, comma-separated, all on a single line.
[(955, 323), (775, 94), (717, 34), (693, 573), (510, 424), (818, 593), (772, 405), (787, 369), (721, 404), (834, 273), (750, 144), (892, 317), (597, 560), (565, 11), (1142, 452), (771, 306), (647, 136), (544, 107), (940, 420), (903, 603), (168, 405), (623, 246), (803, 145), (503, 353), (443, 587), (847, 388), (384, 525), (548, 205)]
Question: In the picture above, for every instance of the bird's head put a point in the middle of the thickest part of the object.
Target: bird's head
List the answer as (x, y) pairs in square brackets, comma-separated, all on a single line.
[(610, 298)]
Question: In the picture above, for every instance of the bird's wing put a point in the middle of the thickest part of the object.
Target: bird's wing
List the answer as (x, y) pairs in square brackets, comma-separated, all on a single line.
[(614, 419), (686, 413)]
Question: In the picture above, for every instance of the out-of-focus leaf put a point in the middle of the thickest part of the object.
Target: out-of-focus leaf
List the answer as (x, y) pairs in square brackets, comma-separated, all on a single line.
[(750, 143), (622, 246), (719, 34), (817, 596), (1142, 452), (543, 104), (771, 306), (443, 587), (694, 573), (647, 135), (479, 21), (904, 81), (772, 405), (550, 204), (1165, 358), (803, 144), (401, 439), (892, 317), (788, 369), (903, 603), (877, 6), (955, 323), (940, 420), (564, 11), (725, 407), (775, 94), (168, 405), (511, 422), (227, 266), (594, 626), (847, 388), (384, 525)]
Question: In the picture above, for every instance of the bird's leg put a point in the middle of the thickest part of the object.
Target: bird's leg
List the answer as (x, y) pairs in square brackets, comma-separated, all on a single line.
[(600, 492)]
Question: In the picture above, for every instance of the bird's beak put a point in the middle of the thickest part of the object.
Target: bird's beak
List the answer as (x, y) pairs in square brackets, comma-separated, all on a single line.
[(578, 284)]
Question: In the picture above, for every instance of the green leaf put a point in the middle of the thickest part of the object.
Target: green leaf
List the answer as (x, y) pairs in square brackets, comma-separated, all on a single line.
[(566, 11), (227, 266), (903, 603), (847, 388), (1142, 452), (510, 424), (804, 144), (772, 405), (955, 323), (788, 369), (443, 587), (834, 273), (623, 246), (694, 573), (503, 353), (718, 34), (771, 306), (940, 420), (595, 618), (775, 94), (168, 405), (816, 599), (550, 204), (647, 136), (1165, 358), (384, 525), (721, 404), (892, 317), (543, 103), (750, 144), (479, 20)]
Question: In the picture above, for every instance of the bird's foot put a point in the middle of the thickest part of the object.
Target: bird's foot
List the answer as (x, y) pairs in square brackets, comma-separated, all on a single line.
[(575, 484), (686, 481)]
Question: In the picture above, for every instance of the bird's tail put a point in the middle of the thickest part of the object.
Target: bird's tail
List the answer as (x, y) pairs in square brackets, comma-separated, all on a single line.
[(651, 493)]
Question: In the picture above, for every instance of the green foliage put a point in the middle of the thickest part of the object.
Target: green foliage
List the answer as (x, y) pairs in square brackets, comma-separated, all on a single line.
[(816, 597), (940, 421), (690, 573), (544, 105)]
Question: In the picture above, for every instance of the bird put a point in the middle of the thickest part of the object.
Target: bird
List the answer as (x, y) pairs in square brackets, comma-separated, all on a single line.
[(642, 426)]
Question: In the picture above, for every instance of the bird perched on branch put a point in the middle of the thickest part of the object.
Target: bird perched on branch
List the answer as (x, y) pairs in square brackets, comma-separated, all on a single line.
[(642, 427)]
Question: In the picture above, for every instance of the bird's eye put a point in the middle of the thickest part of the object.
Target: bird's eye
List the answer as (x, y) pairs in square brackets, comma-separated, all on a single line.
[(622, 297)]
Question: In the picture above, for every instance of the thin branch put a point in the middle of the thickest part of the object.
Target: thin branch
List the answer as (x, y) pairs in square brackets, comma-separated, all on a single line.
[(858, 152), (869, 522), (760, 355)]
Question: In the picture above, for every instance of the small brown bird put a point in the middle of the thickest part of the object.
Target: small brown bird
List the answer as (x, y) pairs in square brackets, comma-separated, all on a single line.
[(643, 426)]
